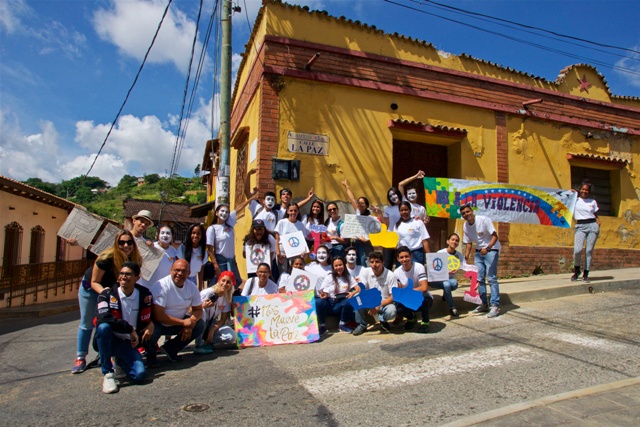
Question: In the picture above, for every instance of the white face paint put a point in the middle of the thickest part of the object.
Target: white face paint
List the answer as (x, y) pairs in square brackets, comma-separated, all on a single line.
[(412, 195), (393, 197), (223, 214), (351, 257), (165, 236), (270, 202), (322, 255)]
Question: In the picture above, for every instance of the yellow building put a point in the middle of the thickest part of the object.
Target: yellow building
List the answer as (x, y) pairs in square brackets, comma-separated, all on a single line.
[(383, 106)]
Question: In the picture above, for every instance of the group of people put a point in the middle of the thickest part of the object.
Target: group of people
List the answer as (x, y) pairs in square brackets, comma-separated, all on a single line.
[(131, 314)]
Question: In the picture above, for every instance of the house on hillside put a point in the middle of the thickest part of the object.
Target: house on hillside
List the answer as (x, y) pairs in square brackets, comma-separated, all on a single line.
[(175, 214), (381, 106)]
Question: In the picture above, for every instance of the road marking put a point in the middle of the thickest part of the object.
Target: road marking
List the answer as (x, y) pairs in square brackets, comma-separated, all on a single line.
[(384, 377), (586, 341)]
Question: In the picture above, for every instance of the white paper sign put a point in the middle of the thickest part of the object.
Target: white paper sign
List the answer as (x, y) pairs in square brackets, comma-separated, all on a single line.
[(105, 241), (151, 257), (359, 225), (437, 267), (82, 226), (308, 143), (293, 244), (256, 254), (301, 280)]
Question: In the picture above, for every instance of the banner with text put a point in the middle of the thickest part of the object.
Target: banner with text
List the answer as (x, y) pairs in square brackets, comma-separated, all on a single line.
[(500, 201), (265, 320)]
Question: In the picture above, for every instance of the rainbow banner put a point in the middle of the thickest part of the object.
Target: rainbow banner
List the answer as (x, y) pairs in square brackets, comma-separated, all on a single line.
[(265, 320), (499, 201)]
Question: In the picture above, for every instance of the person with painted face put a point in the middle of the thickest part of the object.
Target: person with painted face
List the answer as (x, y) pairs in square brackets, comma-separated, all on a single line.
[(587, 229), (334, 296), (165, 244), (362, 207), (334, 225), (221, 242), (417, 211), (353, 268), (390, 218), (321, 267), (266, 211), (216, 306), (194, 250), (452, 284), (287, 225), (296, 262), (412, 233), (258, 241)]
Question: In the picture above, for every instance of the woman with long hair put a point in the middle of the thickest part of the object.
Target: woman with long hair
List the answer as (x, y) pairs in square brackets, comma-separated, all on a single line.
[(587, 229), (102, 274), (313, 220), (194, 250), (283, 281), (258, 241), (412, 233), (362, 207), (216, 304), (334, 296), (334, 225), (221, 242), (450, 285), (290, 224)]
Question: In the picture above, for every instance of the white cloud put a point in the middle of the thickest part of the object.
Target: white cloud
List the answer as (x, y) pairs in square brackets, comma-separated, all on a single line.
[(130, 25), (108, 167), (631, 62), (11, 12)]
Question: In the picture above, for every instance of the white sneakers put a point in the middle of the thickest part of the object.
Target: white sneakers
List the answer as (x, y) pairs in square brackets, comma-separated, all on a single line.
[(109, 383)]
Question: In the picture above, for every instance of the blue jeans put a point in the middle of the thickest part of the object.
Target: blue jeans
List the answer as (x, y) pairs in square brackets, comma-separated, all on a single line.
[(488, 268), (229, 264), (447, 286), (336, 251), (342, 308), (174, 345), (424, 309), (387, 313), (590, 233), (87, 300), (109, 345)]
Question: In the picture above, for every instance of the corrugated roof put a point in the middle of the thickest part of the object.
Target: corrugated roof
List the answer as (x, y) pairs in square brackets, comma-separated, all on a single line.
[(435, 128), (599, 158), (171, 212), (23, 190)]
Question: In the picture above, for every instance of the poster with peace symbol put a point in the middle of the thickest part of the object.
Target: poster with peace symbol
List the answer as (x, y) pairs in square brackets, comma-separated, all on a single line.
[(256, 254), (301, 281), (293, 244), (437, 267)]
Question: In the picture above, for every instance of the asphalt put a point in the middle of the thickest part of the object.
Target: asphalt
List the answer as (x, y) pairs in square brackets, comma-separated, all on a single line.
[(616, 403)]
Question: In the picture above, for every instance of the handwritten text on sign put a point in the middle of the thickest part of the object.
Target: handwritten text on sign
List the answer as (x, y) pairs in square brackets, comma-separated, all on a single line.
[(308, 143), (276, 319)]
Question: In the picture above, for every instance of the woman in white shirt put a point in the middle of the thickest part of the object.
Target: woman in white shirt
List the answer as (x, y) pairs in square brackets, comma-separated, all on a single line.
[(313, 221), (287, 225), (452, 284), (221, 242), (412, 233), (335, 292), (194, 250), (261, 284), (283, 281), (257, 243), (587, 228), (216, 305)]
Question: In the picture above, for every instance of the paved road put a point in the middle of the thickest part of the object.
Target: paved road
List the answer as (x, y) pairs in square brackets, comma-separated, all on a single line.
[(466, 367)]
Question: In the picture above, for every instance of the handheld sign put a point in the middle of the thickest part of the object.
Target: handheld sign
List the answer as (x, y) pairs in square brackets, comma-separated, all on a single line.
[(386, 239), (408, 297), (293, 244), (368, 298), (256, 254), (301, 280), (437, 270)]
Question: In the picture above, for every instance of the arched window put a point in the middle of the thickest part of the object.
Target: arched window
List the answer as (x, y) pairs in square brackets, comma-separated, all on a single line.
[(36, 253), (12, 244)]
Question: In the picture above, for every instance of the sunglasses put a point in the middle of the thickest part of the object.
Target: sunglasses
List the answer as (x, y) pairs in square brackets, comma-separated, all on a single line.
[(126, 274), (125, 242), (332, 209)]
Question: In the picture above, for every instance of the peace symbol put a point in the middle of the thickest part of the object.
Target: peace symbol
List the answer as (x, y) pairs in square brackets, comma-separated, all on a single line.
[(453, 263), (257, 256), (374, 227), (437, 264), (294, 242), (301, 283)]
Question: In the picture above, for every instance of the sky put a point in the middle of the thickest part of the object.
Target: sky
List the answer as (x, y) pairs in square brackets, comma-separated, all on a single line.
[(66, 67)]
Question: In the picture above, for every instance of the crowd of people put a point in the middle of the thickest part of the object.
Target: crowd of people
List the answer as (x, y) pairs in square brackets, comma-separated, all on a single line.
[(131, 314)]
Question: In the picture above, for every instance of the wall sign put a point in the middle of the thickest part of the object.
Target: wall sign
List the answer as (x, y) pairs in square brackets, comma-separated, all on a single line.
[(308, 143)]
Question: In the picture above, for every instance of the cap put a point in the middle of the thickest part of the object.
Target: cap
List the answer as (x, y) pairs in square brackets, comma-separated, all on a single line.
[(258, 223), (144, 214)]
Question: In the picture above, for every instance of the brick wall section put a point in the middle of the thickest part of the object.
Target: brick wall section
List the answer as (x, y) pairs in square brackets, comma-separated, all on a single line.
[(268, 125), (502, 160)]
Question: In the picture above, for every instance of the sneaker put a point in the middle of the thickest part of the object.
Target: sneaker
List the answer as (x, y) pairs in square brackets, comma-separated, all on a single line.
[(424, 328), (79, 366), (142, 351), (494, 312), (322, 330), (574, 277), (109, 383), (173, 357), (203, 349), (385, 326), (359, 330), (454, 312), (119, 373), (482, 308), (94, 363), (352, 324), (585, 278), (345, 328), (409, 325)]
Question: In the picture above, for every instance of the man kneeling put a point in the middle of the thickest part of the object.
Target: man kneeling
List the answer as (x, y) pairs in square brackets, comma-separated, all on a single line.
[(123, 321)]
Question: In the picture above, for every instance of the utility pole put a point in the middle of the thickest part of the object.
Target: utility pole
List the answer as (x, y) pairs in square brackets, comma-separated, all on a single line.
[(222, 185)]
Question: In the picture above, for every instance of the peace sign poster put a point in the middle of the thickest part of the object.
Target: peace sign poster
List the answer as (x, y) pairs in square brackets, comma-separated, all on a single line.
[(301, 281), (256, 254), (293, 244), (438, 267)]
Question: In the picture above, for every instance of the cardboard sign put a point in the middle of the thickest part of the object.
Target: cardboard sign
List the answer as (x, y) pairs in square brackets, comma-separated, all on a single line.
[(265, 320), (437, 266), (386, 239), (301, 281), (256, 254), (106, 239), (408, 297), (368, 298), (293, 244), (359, 226), (82, 226)]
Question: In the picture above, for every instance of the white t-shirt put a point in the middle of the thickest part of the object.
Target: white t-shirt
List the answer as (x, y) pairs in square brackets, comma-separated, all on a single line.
[(343, 285), (271, 247), (457, 255), (356, 272), (332, 230), (385, 282), (176, 301), (480, 233), (411, 234), (270, 288), (393, 213), (285, 226), (164, 268), (269, 217), (585, 209), (416, 274), (196, 262), (220, 306), (320, 271), (222, 237), (310, 227), (416, 209), (130, 305)]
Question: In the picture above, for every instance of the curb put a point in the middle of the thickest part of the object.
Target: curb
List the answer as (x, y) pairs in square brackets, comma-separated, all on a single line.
[(543, 401), (37, 312)]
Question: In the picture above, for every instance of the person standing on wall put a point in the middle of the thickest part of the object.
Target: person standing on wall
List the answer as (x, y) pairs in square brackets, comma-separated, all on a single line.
[(479, 229), (587, 229)]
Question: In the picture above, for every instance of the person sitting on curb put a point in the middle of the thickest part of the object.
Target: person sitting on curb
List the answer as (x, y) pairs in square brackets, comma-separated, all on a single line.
[(123, 322), (377, 277), (177, 312), (216, 303), (409, 270)]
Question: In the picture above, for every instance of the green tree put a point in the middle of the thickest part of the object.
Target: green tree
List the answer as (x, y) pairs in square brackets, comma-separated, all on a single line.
[(196, 171), (127, 181), (83, 196), (172, 187), (152, 178), (42, 185)]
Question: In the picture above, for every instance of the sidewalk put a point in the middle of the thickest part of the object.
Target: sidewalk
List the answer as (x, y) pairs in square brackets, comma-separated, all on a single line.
[(615, 404)]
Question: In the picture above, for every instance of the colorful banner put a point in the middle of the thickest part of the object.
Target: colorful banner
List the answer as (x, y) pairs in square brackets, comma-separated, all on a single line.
[(265, 320), (499, 201)]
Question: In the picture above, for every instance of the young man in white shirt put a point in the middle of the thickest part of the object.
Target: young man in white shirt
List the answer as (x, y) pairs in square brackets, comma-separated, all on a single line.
[(479, 229), (407, 273)]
